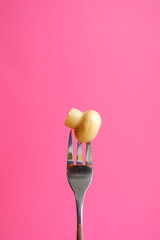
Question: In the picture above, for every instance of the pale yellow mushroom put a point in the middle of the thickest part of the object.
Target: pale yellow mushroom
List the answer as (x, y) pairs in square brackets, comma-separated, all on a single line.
[(86, 125)]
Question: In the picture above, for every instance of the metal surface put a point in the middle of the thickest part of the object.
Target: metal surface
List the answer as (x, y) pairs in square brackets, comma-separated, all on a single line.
[(79, 177)]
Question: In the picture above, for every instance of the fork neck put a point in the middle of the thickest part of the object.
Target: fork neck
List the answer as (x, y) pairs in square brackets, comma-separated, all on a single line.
[(79, 206)]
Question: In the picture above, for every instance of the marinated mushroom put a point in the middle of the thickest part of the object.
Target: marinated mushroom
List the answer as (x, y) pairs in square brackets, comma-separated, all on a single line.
[(86, 125)]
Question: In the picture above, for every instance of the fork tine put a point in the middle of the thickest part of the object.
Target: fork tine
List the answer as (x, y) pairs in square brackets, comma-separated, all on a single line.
[(88, 154), (79, 153), (70, 149)]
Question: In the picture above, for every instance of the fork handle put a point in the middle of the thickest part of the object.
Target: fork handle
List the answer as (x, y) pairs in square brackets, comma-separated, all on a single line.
[(79, 206)]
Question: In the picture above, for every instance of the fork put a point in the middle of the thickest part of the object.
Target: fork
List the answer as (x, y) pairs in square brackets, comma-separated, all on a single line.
[(79, 177)]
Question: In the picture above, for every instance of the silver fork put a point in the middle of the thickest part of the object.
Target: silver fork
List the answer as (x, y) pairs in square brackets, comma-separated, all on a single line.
[(79, 178)]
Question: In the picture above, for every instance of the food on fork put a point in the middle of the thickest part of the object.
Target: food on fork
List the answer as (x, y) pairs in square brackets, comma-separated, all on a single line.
[(86, 125)]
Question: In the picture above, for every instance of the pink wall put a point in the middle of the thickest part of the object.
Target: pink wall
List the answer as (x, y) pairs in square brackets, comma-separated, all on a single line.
[(102, 55)]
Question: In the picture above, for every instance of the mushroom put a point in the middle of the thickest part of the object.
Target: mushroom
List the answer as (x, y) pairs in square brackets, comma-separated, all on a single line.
[(86, 125)]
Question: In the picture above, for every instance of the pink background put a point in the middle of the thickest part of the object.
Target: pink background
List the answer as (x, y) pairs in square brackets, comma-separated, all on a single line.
[(102, 55)]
